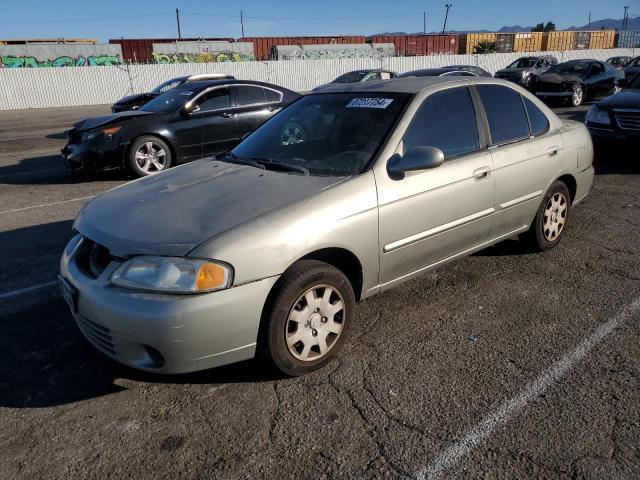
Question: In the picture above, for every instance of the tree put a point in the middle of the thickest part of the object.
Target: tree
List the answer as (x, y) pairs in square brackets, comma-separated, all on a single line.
[(541, 27), (485, 47)]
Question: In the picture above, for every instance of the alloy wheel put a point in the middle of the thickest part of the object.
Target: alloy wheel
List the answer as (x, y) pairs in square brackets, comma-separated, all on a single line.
[(315, 322), (555, 216), (151, 158)]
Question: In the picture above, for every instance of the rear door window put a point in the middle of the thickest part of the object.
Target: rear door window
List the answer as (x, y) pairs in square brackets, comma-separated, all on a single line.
[(538, 120), (505, 113), (445, 120), (272, 96), (249, 95)]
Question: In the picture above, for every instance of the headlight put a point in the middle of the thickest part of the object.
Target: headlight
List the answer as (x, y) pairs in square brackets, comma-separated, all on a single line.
[(173, 275), (595, 115), (107, 132)]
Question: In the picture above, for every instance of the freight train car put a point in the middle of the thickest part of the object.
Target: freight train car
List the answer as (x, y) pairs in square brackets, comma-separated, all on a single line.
[(420, 45), (262, 46)]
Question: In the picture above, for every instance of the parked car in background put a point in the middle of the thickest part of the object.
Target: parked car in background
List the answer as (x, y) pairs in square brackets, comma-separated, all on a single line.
[(632, 67), (618, 62), (577, 81), (617, 118), (452, 70), (190, 121), (267, 249), (133, 102), (365, 75), (524, 69)]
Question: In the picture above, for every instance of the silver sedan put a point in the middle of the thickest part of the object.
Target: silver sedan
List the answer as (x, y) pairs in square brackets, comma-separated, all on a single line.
[(341, 195)]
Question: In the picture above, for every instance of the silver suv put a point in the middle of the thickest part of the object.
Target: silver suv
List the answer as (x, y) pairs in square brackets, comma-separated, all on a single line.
[(524, 69), (266, 250)]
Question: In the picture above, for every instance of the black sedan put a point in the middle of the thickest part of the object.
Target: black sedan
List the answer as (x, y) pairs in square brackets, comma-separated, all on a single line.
[(632, 67), (186, 123), (617, 118), (364, 75), (133, 102), (454, 70), (577, 81)]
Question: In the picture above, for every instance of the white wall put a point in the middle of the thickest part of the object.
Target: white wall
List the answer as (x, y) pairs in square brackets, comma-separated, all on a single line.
[(60, 87)]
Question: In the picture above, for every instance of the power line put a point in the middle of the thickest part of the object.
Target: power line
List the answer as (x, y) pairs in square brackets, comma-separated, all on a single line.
[(83, 20)]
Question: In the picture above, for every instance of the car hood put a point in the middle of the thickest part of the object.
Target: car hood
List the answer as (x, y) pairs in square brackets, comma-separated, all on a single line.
[(558, 78), (140, 97), (623, 99), (95, 122), (174, 212)]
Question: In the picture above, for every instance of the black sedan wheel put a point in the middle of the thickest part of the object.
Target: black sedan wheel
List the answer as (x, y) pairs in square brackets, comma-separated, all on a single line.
[(577, 95), (149, 155)]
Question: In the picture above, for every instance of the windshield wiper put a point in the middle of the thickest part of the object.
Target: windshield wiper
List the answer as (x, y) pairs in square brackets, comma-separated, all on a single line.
[(232, 158), (269, 163)]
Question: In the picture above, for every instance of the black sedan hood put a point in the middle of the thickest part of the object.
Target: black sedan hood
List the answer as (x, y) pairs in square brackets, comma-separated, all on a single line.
[(623, 99), (558, 78), (173, 212), (513, 70), (104, 120), (137, 99)]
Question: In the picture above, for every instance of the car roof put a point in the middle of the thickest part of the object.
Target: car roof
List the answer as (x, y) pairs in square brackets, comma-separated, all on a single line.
[(410, 85), (582, 60), (207, 76), (204, 84)]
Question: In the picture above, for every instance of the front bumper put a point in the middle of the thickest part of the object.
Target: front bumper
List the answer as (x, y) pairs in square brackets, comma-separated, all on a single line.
[(164, 333), (92, 156)]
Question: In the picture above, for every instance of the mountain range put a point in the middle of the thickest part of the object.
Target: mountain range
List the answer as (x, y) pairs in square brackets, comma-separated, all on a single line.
[(606, 24)]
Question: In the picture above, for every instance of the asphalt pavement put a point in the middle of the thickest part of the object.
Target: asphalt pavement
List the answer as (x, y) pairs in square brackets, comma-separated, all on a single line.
[(503, 365)]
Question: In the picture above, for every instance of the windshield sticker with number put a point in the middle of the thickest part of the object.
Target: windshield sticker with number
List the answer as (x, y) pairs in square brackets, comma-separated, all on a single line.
[(369, 103)]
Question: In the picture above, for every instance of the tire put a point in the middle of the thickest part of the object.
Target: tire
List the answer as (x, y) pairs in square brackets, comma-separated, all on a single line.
[(149, 155), (577, 95), (295, 330), (551, 219)]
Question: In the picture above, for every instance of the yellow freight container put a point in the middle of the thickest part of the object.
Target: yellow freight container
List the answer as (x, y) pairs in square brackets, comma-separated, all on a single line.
[(469, 41), (558, 41), (528, 42), (602, 39)]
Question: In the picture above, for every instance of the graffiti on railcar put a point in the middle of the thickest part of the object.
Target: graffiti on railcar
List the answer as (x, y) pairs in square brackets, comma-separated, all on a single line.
[(29, 61), (186, 57)]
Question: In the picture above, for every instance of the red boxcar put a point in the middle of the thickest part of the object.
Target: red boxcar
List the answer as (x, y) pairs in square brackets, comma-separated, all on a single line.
[(262, 45), (418, 45), (138, 50)]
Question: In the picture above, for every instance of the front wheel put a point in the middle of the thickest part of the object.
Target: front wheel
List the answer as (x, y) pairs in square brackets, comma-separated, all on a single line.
[(309, 318), (550, 220), (149, 155), (577, 95)]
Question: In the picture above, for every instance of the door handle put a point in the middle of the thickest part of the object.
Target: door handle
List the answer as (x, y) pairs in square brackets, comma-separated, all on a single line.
[(552, 152), (481, 173), (227, 115)]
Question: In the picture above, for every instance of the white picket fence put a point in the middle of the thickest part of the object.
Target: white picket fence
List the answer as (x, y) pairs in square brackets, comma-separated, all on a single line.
[(61, 87)]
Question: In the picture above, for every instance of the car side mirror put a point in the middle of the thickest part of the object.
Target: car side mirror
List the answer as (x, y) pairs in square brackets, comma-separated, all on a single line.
[(621, 83), (417, 158)]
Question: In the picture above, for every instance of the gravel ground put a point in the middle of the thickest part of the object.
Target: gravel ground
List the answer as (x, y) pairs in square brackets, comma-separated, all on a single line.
[(501, 365)]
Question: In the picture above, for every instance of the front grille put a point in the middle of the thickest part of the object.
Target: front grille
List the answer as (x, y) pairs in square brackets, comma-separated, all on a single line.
[(628, 119), (97, 335), (92, 258)]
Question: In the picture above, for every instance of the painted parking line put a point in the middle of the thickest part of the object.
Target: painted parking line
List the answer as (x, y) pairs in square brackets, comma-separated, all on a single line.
[(48, 204), (21, 291), (479, 434)]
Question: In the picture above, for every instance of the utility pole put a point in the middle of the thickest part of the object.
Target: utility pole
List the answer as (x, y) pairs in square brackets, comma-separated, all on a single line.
[(241, 24), (178, 21), (589, 26), (625, 17), (424, 32), (446, 15)]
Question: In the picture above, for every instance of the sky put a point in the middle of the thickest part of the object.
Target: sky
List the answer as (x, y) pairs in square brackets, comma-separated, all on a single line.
[(106, 19)]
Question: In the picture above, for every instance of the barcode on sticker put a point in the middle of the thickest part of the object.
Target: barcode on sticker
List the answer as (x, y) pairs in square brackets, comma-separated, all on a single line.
[(369, 103)]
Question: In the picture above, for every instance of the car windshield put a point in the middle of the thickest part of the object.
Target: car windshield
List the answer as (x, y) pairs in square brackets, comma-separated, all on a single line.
[(570, 68), (168, 101), (350, 77), (524, 63), (168, 85), (334, 134)]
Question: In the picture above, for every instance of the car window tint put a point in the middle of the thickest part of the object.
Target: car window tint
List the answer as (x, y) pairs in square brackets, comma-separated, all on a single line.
[(597, 68), (250, 95), (214, 100), (505, 113), (445, 120), (272, 96), (538, 120)]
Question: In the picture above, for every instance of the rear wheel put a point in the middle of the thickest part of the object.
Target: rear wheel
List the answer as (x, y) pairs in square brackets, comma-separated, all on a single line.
[(551, 219), (309, 318), (149, 155)]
